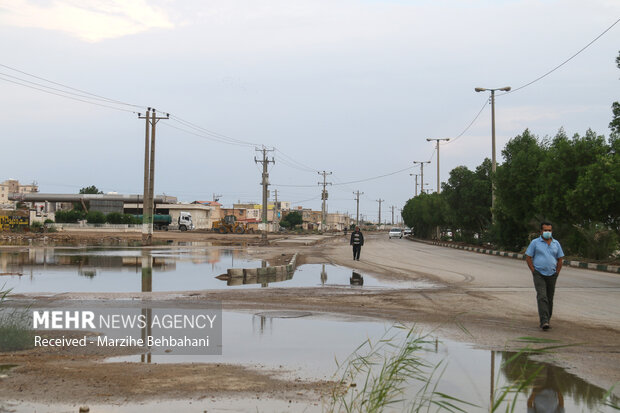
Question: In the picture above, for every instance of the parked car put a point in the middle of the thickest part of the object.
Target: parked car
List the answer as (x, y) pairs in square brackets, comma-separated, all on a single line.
[(407, 231), (395, 233)]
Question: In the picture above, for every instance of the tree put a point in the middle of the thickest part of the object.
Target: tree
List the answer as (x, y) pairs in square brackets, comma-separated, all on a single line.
[(291, 219), (424, 213), (614, 125), (90, 190), (516, 185), (467, 195)]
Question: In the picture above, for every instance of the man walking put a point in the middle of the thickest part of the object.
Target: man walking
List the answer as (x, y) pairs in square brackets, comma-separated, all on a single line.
[(357, 240), (544, 258)]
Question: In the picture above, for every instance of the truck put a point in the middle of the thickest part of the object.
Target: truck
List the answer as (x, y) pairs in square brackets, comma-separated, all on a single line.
[(164, 221)]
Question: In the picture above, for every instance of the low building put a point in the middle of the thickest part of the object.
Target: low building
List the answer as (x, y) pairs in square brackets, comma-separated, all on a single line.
[(12, 186)]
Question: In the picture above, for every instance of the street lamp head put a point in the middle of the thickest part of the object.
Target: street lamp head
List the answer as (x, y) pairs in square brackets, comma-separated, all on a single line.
[(479, 89), (428, 139), (506, 89)]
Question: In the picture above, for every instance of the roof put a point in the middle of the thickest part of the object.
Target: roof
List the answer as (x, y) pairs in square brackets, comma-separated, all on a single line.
[(211, 203)]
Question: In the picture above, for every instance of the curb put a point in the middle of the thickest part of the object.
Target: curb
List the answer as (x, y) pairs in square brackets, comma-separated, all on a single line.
[(515, 255)]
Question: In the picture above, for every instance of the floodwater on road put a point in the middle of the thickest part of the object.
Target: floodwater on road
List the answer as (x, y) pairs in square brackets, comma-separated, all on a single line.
[(105, 269), (305, 345)]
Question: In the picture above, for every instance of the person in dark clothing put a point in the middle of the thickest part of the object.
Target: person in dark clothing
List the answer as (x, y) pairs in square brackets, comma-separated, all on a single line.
[(357, 240)]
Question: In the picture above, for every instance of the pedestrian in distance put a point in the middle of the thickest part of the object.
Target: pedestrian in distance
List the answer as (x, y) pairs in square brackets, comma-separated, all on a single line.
[(357, 240), (544, 258)]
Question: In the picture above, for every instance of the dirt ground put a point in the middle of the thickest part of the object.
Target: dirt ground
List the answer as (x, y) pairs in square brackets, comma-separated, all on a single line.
[(454, 309)]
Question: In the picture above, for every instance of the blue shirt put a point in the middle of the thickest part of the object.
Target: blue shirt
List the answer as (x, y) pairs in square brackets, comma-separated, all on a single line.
[(544, 257)]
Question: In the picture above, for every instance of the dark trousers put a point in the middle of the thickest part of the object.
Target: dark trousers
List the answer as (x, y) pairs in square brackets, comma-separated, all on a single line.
[(545, 288), (356, 251)]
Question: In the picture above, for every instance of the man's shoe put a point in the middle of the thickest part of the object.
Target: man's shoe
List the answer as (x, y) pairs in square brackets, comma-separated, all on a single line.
[(545, 326)]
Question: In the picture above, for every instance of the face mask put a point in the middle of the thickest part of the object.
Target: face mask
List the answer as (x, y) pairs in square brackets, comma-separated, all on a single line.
[(546, 234)]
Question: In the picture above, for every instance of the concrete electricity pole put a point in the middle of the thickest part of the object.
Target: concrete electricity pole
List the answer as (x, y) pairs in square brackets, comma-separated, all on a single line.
[(265, 184), (148, 208), (357, 197), (422, 173), (493, 163), (324, 198), (416, 182), (439, 139), (379, 201), (216, 197), (393, 213)]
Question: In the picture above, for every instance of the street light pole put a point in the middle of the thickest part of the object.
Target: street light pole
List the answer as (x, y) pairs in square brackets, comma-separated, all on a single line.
[(422, 173), (493, 162), (439, 139)]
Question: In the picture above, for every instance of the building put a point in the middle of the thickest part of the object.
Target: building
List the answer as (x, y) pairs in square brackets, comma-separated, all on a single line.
[(12, 186), (338, 222)]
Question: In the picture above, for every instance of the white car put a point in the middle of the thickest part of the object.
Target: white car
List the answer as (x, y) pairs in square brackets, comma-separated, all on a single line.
[(395, 233), (407, 231)]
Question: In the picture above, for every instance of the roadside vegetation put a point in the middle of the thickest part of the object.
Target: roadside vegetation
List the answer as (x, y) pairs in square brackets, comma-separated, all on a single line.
[(572, 182), (394, 374), (15, 331)]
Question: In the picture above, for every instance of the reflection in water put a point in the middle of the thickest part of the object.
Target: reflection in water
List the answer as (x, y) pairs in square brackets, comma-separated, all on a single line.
[(323, 275), (552, 385), (546, 396), (52, 269), (356, 279), (147, 286)]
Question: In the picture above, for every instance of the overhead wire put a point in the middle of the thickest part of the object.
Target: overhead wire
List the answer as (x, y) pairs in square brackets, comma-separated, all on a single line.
[(67, 97), (119, 102), (563, 63)]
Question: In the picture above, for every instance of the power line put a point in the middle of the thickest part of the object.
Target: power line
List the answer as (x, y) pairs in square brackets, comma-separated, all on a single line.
[(564, 62), (67, 97), (69, 87), (217, 135), (297, 162), (375, 177)]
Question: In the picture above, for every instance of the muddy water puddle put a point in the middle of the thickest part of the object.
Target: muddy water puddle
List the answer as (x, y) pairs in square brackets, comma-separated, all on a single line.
[(305, 345), (178, 268)]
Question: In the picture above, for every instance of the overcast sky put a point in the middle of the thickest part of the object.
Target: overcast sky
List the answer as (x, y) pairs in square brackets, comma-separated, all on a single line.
[(349, 87)]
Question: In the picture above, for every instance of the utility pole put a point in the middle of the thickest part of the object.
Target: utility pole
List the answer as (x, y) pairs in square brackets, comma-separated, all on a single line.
[(437, 140), (324, 198), (265, 184), (148, 207), (357, 197), (493, 162), (422, 173), (393, 213), (216, 197), (416, 183), (379, 201)]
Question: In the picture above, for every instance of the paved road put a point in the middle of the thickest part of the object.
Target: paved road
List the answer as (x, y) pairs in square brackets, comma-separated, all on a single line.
[(585, 296)]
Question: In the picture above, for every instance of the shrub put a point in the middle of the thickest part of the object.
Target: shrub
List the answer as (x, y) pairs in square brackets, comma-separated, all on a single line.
[(69, 217), (95, 217), (114, 218)]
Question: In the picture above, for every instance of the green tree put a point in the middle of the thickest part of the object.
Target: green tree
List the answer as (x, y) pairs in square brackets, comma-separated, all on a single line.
[(565, 162), (467, 196), (291, 219), (516, 185), (90, 190), (614, 125), (424, 213)]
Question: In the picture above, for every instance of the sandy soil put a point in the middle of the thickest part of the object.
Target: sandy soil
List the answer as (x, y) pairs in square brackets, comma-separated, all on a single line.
[(457, 307)]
